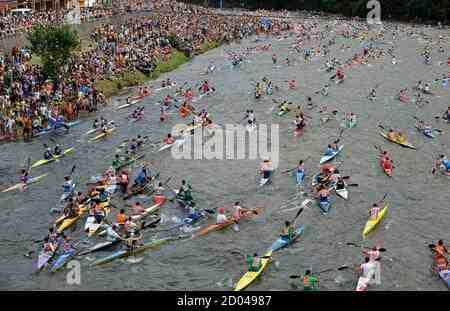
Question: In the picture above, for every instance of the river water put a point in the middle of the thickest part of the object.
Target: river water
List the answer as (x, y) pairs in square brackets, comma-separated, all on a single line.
[(419, 211)]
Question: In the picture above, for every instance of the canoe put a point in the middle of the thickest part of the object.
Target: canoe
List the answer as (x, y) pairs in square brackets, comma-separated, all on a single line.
[(250, 277), (61, 261), (327, 158), (19, 185), (108, 132), (137, 250), (406, 144), (372, 223), (69, 222), (215, 227), (54, 158), (281, 243), (429, 135)]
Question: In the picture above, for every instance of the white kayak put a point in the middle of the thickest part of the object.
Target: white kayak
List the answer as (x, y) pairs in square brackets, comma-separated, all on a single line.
[(327, 158), (343, 193)]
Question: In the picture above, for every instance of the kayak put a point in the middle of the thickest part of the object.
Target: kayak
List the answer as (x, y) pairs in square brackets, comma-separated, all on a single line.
[(164, 87), (69, 222), (91, 131), (324, 206), (250, 277), (61, 261), (130, 161), (19, 185), (50, 129), (387, 171), (98, 247), (343, 193), (167, 146), (44, 258), (54, 158), (148, 211), (327, 158), (281, 243), (372, 223), (429, 135), (215, 227), (108, 132), (443, 274), (405, 144), (125, 253)]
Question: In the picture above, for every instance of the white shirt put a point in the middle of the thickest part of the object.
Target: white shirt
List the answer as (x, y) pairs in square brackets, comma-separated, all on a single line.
[(221, 218)]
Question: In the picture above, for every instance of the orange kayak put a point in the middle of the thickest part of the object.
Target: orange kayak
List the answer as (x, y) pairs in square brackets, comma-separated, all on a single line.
[(215, 227)]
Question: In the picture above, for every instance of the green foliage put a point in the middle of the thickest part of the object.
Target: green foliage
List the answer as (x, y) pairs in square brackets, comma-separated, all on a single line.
[(54, 45)]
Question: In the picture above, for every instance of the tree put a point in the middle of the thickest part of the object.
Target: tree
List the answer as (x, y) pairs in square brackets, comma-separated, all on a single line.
[(54, 44)]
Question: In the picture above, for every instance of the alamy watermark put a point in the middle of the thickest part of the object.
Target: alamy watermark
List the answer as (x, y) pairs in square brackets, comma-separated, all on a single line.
[(374, 15), (229, 142)]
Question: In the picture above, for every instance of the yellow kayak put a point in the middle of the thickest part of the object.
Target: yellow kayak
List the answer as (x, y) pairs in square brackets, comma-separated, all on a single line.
[(372, 223), (19, 185), (403, 144), (108, 132), (249, 277), (69, 222), (54, 158)]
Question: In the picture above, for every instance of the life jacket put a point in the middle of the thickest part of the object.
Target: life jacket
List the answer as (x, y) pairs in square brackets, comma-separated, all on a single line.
[(121, 219)]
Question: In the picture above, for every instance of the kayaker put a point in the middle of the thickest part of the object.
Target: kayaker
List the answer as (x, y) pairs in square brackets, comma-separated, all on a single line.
[(48, 247), (340, 183), (288, 231), (291, 84), (57, 151), (221, 217), (254, 263), (447, 114), (427, 129), (331, 149), (121, 218), (440, 263), (373, 95), (300, 174), (95, 124), (123, 181), (159, 189), (274, 58), (68, 245), (185, 194), (366, 271), (25, 177), (374, 211), (130, 226), (71, 209), (68, 187), (374, 258), (80, 198), (52, 236), (310, 282), (239, 211), (323, 194), (169, 139), (137, 208), (142, 178), (392, 135), (283, 107), (116, 162), (444, 163), (266, 168), (299, 122), (48, 152), (133, 239), (440, 248)]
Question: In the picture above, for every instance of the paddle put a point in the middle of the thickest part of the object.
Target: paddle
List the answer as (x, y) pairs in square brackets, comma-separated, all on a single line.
[(343, 267), (357, 245), (296, 215), (353, 185)]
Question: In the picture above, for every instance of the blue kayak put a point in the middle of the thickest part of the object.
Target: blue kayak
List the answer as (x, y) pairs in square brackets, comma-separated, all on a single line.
[(50, 129), (62, 261), (324, 206), (281, 243)]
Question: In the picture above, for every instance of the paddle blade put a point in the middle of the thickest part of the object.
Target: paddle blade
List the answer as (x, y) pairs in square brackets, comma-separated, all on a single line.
[(209, 211), (298, 213), (342, 268), (353, 185), (295, 276)]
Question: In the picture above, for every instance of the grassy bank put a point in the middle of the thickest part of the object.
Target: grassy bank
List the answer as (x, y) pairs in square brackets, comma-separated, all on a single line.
[(129, 79)]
